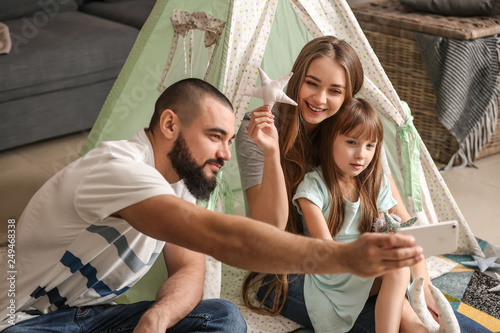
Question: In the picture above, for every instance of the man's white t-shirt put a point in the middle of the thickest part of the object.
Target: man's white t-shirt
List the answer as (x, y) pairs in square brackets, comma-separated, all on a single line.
[(70, 251)]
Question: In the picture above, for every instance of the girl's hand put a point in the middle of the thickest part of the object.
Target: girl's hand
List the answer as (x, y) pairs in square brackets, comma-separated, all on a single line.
[(262, 130)]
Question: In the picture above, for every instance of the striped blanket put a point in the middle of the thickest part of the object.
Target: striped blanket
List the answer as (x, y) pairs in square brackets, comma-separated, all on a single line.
[(464, 74)]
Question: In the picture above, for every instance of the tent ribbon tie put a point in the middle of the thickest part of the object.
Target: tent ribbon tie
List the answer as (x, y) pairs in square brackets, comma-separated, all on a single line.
[(184, 22), (410, 156)]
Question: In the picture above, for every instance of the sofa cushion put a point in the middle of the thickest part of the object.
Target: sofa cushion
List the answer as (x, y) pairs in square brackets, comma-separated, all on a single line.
[(456, 7), (134, 12), (13, 9), (72, 49), (45, 116)]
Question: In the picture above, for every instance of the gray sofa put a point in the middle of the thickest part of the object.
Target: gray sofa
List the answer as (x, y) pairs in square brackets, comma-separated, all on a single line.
[(65, 57)]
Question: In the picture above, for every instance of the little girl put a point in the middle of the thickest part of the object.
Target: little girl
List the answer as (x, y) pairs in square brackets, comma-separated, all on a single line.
[(339, 200)]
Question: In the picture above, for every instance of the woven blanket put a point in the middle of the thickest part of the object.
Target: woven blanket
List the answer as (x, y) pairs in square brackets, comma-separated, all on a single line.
[(464, 75)]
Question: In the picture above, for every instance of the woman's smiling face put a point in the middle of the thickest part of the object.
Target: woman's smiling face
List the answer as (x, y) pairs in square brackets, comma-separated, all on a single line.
[(323, 91)]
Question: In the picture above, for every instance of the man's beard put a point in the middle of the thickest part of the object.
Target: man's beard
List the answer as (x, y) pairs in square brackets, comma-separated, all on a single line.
[(193, 175)]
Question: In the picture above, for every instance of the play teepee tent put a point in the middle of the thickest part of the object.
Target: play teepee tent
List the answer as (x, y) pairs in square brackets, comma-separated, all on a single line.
[(225, 41)]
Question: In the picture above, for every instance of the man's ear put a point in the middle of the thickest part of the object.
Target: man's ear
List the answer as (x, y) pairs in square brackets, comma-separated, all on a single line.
[(169, 124)]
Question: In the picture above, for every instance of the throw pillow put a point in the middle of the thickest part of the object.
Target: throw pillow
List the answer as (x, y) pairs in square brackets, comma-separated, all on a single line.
[(5, 42), (14, 9), (456, 7)]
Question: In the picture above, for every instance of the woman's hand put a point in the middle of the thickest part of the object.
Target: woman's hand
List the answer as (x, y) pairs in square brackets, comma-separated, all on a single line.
[(262, 130)]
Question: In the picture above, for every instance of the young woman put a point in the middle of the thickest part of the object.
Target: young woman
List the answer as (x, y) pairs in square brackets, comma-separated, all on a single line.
[(273, 157), (339, 200), (327, 74)]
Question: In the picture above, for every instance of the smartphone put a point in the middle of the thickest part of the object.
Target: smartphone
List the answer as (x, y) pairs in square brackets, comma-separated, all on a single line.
[(435, 239)]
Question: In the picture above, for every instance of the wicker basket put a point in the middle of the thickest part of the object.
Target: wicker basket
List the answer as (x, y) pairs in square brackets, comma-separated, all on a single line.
[(389, 27)]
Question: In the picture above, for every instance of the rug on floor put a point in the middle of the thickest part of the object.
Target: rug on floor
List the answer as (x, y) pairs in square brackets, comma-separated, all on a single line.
[(469, 290)]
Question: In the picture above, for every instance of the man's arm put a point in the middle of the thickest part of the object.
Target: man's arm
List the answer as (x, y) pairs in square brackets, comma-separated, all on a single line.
[(179, 294), (257, 246)]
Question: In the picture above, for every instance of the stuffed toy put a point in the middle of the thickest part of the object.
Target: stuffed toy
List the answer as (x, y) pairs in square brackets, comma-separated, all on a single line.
[(271, 91), (447, 321), (482, 263), (391, 223)]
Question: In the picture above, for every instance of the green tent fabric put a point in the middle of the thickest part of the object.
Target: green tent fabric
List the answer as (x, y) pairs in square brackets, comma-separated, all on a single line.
[(225, 42)]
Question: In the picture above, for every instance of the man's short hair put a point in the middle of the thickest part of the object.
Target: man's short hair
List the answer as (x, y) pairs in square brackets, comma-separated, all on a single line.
[(185, 99)]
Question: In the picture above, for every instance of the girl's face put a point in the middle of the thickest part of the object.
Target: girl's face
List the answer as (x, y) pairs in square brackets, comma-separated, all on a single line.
[(323, 91), (352, 155)]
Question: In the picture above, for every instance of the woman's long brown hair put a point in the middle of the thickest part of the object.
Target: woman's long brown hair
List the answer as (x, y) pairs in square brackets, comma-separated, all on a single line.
[(296, 148)]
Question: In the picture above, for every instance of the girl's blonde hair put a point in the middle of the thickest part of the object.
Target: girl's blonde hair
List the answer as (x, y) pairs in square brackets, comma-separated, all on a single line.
[(357, 120), (296, 144)]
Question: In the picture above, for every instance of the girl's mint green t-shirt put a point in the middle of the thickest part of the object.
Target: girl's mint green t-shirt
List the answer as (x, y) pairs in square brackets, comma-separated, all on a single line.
[(334, 301)]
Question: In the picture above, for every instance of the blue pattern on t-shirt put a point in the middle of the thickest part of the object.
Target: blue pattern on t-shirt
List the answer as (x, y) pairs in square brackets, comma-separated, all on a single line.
[(54, 297), (75, 264), (114, 237)]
